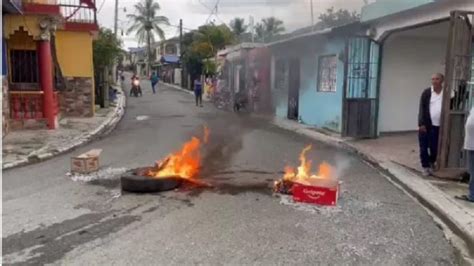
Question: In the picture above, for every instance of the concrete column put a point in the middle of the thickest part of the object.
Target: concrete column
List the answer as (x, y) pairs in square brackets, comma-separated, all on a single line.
[(46, 82)]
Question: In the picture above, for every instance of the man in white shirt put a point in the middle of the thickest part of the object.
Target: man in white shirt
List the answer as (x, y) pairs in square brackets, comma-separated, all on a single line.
[(429, 119), (469, 147)]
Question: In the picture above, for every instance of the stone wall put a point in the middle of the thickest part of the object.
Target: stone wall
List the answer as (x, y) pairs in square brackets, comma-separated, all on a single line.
[(5, 106), (78, 99)]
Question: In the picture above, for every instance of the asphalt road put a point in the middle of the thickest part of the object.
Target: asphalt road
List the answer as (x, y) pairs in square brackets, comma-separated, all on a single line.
[(50, 217)]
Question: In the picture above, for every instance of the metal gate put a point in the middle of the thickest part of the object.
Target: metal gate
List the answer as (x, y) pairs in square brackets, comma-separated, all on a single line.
[(361, 88), (294, 89), (456, 92)]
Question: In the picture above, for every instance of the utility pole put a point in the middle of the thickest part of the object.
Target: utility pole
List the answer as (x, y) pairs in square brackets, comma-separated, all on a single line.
[(312, 15), (105, 94), (116, 18), (181, 50), (252, 28)]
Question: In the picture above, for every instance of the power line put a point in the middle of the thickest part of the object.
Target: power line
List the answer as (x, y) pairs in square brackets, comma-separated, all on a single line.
[(101, 6)]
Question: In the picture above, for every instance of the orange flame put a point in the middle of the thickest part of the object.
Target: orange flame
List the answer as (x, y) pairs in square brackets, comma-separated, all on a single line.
[(184, 163), (302, 174)]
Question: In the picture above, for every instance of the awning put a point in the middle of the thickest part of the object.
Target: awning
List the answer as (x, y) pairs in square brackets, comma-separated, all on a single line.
[(169, 59)]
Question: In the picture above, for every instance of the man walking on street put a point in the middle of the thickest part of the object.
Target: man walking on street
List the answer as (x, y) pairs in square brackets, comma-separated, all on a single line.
[(154, 81), (198, 91), (429, 118)]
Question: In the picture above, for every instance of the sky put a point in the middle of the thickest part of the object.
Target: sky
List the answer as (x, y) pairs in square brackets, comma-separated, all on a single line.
[(295, 13)]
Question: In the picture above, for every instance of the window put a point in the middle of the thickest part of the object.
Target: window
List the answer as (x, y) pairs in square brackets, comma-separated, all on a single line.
[(327, 73), (24, 66)]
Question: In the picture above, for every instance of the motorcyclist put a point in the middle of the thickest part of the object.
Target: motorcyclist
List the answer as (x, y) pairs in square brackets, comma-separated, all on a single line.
[(136, 84)]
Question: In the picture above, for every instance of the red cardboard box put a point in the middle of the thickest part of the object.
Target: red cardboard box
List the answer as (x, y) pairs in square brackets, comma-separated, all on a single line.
[(323, 192)]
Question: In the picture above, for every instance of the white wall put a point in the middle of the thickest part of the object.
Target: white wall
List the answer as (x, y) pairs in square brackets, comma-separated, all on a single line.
[(439, 10), (407, 66)]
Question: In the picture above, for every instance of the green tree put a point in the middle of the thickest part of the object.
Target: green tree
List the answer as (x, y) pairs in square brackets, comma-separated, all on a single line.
[(260, 32), (106, 49), (238, 27), (147, 23), (209, 39), (268, 28), (204, 43), (332, 18)]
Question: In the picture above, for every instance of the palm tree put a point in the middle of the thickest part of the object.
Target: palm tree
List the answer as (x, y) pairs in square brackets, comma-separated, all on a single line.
[(146, 23), (260, 32), (238, 26), (272, 27)]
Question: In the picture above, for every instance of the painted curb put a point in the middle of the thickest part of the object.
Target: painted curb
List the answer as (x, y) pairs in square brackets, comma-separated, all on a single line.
[(431, 197), (103, 129)]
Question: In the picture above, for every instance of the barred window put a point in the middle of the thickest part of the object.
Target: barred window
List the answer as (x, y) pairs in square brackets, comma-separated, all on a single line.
[(24, 66), (327, 73)]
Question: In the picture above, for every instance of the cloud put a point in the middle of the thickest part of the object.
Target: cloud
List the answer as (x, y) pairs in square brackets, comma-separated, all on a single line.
[(294, 13)]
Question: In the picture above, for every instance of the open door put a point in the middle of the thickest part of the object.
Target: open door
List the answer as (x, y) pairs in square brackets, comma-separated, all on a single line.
[(361, 88), (294, 89), (456, 92)]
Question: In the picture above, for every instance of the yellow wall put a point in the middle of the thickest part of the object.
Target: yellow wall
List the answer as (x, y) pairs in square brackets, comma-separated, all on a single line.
[(12, 23), (74, 50)]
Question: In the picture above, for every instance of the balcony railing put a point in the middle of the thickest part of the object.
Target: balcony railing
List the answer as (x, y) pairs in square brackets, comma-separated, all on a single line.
[(79, 11), (74, 11)]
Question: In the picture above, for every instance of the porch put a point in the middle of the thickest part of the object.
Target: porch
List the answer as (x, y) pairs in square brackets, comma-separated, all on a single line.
[(49, 62), (402, 149)]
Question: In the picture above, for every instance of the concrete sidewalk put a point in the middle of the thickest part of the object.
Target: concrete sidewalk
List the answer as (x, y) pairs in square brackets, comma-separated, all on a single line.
[(434, 194), (29, 146)]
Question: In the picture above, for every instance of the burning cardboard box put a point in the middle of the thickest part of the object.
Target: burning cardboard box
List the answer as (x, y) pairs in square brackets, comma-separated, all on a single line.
[(321, 188), (320, 192)]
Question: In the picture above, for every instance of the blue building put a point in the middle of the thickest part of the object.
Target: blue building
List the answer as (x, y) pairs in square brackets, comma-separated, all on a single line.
[(364, 80), (308, 77)]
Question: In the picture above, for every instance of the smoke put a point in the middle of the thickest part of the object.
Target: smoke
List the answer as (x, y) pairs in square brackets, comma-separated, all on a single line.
[(341, 165)]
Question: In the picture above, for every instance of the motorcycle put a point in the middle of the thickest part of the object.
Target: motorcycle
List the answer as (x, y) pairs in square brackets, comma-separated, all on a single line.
[(240, 102), (136, 89)]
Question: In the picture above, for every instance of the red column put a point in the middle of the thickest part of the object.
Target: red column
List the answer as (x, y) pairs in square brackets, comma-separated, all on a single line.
[(46, 82)]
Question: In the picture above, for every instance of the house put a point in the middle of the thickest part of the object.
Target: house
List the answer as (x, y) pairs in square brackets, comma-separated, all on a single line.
[(126, 60), (245, 69), (8, 7), (415, 39), (167, 60), (49, 60), (138, 60), (307, 73)]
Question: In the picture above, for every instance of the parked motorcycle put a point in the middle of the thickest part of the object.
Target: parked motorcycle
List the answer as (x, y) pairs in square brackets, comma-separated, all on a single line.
[(240, 102)]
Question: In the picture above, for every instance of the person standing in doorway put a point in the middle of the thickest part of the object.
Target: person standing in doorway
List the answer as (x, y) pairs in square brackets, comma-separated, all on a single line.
[(469, 147), (154, 81), (198, 91), (429, 119)]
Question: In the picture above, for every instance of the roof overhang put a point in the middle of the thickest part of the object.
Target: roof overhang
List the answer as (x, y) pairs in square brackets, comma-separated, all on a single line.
[(12, 6)]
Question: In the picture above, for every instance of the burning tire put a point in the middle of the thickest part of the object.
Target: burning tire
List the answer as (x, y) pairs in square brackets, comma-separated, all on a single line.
[(137, 181)]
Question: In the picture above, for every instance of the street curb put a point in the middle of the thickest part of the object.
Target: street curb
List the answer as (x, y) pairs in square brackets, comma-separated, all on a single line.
[(176, 87), (431, 197), (103, 129)]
